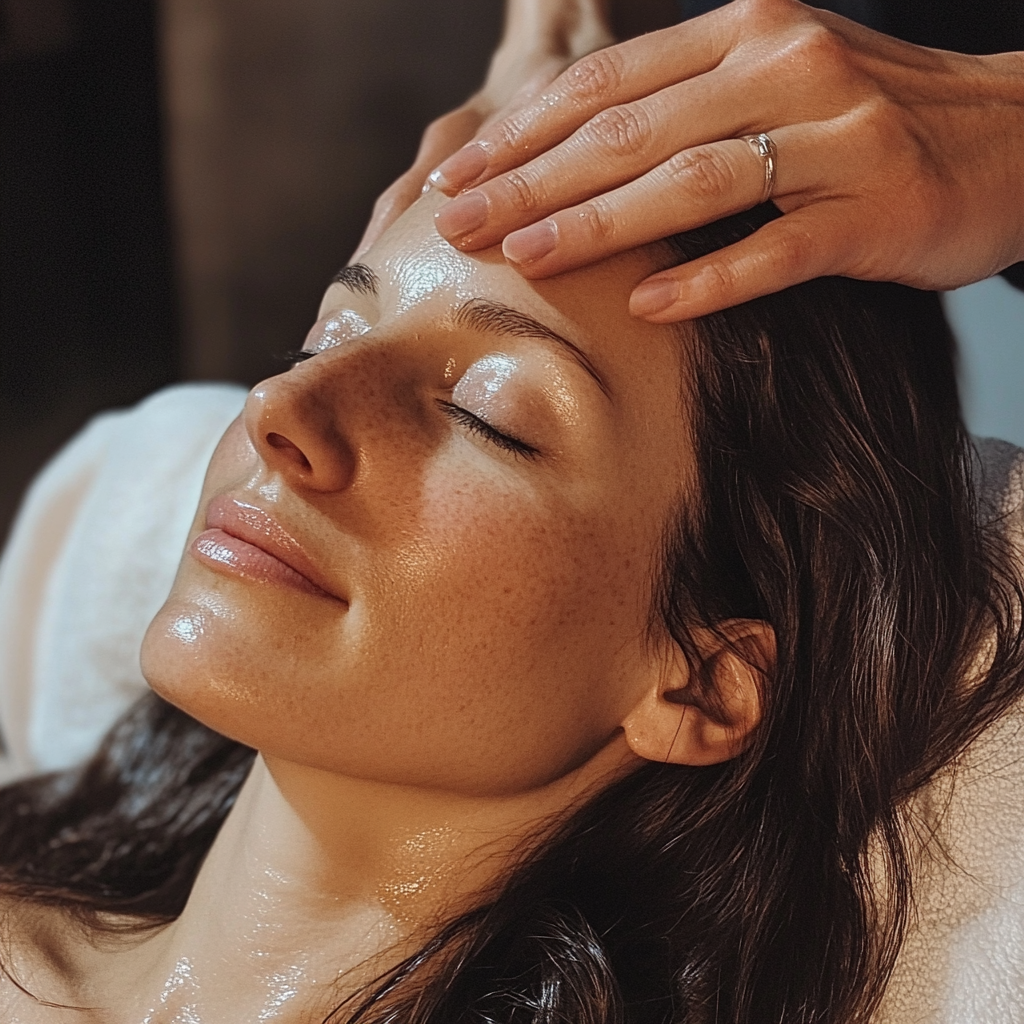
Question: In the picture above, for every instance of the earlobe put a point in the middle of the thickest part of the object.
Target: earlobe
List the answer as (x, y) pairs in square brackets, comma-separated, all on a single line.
[(704, 715)]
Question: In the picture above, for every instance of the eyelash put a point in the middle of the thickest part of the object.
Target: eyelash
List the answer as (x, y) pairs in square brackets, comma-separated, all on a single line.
[(298, 356), (478, 426)]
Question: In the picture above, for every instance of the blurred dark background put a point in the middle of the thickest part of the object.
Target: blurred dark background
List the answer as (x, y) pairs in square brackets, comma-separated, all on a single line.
[(179, 179), (87, 301)]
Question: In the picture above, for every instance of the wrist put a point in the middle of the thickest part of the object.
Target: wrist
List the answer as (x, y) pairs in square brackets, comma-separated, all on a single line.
[(567, 29)]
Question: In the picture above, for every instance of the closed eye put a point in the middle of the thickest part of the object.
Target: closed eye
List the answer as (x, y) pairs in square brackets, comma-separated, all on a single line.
[(463, 416), (485, 430)]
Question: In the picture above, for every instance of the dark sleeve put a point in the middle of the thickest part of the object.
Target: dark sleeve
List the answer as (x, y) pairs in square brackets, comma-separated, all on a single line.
[(981, 26)]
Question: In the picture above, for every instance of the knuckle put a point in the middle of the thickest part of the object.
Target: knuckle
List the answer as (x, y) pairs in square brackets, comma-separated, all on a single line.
[(620, 131), (719, 278), (595, 78), (753, 8), (874, 127), (523, 193), (505, 135), (890, 137), (793, 249), (703, 173), (889, 153), (765, 14), (599, 221), (819, 49)]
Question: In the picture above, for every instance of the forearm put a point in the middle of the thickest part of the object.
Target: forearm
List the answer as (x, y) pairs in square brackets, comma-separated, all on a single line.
[(568, 26), (543, 30)]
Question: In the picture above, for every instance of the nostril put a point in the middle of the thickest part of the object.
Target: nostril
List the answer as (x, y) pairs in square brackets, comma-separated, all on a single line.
[(282, 444)]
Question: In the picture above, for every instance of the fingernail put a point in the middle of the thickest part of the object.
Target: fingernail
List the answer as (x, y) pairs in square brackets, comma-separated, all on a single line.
[(652, 297), (531, 243), (462, 215), (462, 167)]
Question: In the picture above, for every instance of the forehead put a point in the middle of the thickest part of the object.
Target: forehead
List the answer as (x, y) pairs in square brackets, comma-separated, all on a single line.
[(424, 279)]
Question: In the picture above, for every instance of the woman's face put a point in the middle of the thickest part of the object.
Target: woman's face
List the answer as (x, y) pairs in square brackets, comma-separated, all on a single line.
[(426, 554)]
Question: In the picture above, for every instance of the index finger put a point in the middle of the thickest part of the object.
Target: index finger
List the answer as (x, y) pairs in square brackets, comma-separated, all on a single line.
[(618, 74)]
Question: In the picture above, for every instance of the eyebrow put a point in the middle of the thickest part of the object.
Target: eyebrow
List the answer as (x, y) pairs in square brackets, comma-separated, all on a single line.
[(496, 318), (357, 277)]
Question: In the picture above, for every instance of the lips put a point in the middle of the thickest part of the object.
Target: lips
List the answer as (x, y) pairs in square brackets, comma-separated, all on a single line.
[(244, 541)]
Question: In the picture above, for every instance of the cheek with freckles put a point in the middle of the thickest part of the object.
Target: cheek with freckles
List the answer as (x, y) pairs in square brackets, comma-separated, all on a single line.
[(503, 636)]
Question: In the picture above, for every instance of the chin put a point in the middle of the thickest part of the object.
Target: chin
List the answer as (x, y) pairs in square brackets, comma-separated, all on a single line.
[(187, 659), (246, 669), (219, 653)]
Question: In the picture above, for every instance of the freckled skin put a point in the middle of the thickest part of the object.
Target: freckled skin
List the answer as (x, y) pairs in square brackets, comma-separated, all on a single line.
[(495, 631)]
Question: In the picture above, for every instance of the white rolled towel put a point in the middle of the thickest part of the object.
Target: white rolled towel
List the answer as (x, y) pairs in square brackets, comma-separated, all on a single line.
[(89, 561)]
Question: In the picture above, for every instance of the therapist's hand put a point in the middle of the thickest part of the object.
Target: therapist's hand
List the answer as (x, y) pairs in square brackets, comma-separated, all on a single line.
[(894, 162), (541, 39)]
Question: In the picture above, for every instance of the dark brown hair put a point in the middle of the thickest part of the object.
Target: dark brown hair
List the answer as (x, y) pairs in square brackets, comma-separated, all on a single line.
[(834, 501)]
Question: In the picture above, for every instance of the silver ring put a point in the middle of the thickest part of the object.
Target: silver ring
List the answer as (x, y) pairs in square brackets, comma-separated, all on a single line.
[(769, 154)]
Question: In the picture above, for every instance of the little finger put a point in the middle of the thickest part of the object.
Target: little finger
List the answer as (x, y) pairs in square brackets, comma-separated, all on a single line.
[(440, 138)]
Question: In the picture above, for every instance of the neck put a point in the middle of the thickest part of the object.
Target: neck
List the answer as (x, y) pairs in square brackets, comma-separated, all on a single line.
[(316, 883)]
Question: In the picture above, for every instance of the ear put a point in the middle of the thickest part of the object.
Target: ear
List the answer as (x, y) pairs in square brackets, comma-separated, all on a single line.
[(705, 714)]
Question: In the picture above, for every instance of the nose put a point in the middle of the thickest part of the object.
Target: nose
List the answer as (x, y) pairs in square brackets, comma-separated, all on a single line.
[(297, 432)]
